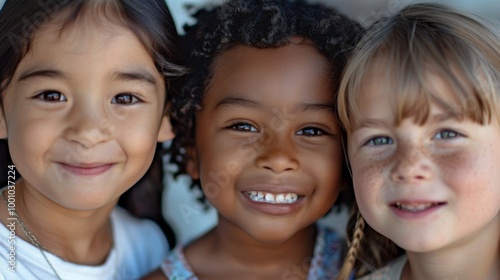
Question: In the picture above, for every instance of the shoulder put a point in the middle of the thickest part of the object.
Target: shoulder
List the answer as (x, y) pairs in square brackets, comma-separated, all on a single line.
[(175, 266), (133, 227), (328, 241), (140, 243), (392, 271), (155, 275), (328, 252)]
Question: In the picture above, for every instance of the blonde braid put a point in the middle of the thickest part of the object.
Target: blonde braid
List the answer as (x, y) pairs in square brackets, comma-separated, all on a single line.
[(354, 248)]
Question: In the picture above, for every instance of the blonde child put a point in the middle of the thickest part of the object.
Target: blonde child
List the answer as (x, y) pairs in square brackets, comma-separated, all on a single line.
[(420, 100), (83, 90), (255, 123)]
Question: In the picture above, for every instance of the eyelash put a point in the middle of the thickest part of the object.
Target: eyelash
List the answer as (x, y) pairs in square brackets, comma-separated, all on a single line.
[(390, 141), (134, 99), (62, 98), (448, 131), (246, 127), (239, 124), (318, 131), (45, 94)]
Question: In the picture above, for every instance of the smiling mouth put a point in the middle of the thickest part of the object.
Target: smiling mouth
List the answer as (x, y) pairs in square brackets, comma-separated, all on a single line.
[(282, 198), (416, 207), (86, 169)]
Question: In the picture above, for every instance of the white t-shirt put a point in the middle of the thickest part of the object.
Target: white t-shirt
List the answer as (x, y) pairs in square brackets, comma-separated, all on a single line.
[(139, 247)]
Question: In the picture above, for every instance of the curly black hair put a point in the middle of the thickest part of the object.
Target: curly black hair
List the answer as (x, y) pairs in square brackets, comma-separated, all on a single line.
[(255, 23)]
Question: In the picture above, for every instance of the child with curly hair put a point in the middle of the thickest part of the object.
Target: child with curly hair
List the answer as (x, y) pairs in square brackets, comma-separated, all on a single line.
[(256, 126), (420, 100)]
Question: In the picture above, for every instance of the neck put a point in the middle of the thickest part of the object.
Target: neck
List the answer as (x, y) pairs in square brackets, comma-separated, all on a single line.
[(475, 258), (82, 237), (291, 256)]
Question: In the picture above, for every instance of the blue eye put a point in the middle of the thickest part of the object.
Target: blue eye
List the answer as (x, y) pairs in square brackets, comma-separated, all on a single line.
[(52, 96), (243, 126), (311, 131), (125, 99), (380, 140), (446, 134)]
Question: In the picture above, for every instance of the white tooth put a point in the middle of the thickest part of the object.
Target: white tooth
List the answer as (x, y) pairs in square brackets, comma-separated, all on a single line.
[(272, 198), (414, 208), (269, 197)]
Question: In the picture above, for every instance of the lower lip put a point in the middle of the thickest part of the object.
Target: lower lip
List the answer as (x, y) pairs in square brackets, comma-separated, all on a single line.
[(86, 171), (416, 215), (273, 208)]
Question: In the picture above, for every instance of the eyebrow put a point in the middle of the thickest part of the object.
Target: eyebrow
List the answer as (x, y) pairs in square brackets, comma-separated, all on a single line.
[(44, 73), (139, 75), (302, 107), (238, 101), (440, 118), (369, 123)]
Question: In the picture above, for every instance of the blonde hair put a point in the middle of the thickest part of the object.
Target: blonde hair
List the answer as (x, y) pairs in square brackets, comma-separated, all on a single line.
[(422, 39)]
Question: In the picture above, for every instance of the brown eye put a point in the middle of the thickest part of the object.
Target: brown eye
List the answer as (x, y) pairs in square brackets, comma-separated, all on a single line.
[(125, 99), (52, 96), (311, 131), (242, 126)]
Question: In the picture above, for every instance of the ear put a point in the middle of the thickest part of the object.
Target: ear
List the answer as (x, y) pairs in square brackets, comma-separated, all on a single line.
[(3, 124), (192, 163), (165, 133)]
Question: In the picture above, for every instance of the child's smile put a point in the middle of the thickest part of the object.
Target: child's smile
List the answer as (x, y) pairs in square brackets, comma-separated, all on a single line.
[(84, 107), (284, 198), (262, 196), (427, 186), (267, 140)]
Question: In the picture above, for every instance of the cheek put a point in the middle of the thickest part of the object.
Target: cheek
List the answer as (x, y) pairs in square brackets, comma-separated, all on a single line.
[(367, 182), (474, 179), (218, 164), (30, 141), (137, 134), (366, 176)]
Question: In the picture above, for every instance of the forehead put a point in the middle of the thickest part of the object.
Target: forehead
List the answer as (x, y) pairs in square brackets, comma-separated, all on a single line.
[(86, 47), (282, 71), (79, 34), (387, 90)]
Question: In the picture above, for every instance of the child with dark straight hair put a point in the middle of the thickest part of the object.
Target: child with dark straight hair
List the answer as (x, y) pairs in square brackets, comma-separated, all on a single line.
[(256, 128), (83, 91), (420, 100)]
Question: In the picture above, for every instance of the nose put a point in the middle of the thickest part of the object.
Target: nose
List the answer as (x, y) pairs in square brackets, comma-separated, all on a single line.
[(277, 154), (88, 124), (411, 165)]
